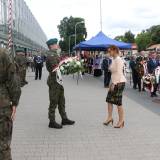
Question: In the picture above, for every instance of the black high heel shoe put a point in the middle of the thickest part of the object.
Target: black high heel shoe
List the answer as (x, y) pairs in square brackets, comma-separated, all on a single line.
[(120, 126), (108, 122)]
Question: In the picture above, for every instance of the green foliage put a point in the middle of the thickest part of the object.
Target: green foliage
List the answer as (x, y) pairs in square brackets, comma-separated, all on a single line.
[(143, 40), (155, 34), (127, 37), (148, 37), (67, 28), (119, 38)]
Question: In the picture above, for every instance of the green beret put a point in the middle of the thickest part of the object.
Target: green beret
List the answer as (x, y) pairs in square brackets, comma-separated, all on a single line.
[(52, 41), (139, 59), (20, 50)]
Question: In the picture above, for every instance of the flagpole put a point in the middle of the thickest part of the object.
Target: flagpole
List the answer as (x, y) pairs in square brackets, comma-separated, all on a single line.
[(101, 15)]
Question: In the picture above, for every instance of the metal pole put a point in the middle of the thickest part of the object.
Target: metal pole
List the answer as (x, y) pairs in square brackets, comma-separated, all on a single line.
[(75, 34), (101, 15), (76, 31), (69, 45), (77, 78)]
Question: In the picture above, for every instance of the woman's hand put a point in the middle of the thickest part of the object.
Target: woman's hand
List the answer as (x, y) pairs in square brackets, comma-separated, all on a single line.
[(13, 116), (111, 88)]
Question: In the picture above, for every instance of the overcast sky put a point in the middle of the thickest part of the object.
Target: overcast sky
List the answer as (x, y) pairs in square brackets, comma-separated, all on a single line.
[(118, 15)]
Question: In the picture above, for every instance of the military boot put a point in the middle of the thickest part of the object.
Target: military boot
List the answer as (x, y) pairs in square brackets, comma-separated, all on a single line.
[(25, 82), (67, 122), (54, 125)]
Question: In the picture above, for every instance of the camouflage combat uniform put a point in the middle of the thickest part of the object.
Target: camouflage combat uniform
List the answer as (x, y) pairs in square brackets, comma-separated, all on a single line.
[(21, 61), (9, 96), (139, 69), (56, 91)]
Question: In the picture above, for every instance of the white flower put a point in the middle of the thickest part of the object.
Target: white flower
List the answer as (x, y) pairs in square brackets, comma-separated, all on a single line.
[(68, 60), (67, 64), (62, 68), (78, 63)]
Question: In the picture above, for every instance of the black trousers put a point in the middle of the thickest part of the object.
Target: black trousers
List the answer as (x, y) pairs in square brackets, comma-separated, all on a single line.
[(107, 78), (90, 69), (138, 82), (134, 78), (97, 72), (38, 73)]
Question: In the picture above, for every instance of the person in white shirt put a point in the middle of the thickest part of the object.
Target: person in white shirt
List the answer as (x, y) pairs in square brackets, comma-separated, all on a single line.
[(116, 89)]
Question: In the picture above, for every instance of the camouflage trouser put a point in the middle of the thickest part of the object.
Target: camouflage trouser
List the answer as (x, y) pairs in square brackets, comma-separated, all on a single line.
[(5, 133), (22, 74), (56, 94)]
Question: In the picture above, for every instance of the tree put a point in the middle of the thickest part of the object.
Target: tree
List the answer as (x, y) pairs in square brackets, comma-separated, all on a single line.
[(67, 28), (119, 38), (146, 38), (143, 40), (129, 37), (155, 34)]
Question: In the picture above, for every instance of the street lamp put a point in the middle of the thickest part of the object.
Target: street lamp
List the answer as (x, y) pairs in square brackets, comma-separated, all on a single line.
[(70, 43), (76, 31)]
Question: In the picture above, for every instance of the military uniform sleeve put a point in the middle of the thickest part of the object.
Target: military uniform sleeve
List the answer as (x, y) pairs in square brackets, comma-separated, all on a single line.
[(13, 86), (51, 63)]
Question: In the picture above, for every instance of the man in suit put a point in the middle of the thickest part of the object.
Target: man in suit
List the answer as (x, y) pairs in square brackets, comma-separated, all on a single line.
[(90, 64), (107, 74), (132, 66), (38, 65), (152, 65)]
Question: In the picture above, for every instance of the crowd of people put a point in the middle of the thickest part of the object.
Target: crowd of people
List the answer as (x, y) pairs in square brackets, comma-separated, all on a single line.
[(146, 72), (93, 63)]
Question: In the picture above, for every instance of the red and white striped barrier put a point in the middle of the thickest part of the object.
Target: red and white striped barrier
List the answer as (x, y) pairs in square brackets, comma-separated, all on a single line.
[(10, 24)]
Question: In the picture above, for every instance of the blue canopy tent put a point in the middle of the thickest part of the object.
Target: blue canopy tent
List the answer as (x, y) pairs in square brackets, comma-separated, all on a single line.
[(101, 42)]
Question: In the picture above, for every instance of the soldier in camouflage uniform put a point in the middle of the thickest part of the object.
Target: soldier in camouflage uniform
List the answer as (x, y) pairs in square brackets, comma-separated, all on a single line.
[(21, 61), (9, 97), (139, 69), (56, 90)]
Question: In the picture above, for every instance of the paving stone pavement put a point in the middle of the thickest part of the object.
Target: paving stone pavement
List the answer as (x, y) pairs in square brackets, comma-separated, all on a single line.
[(88, 139)]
